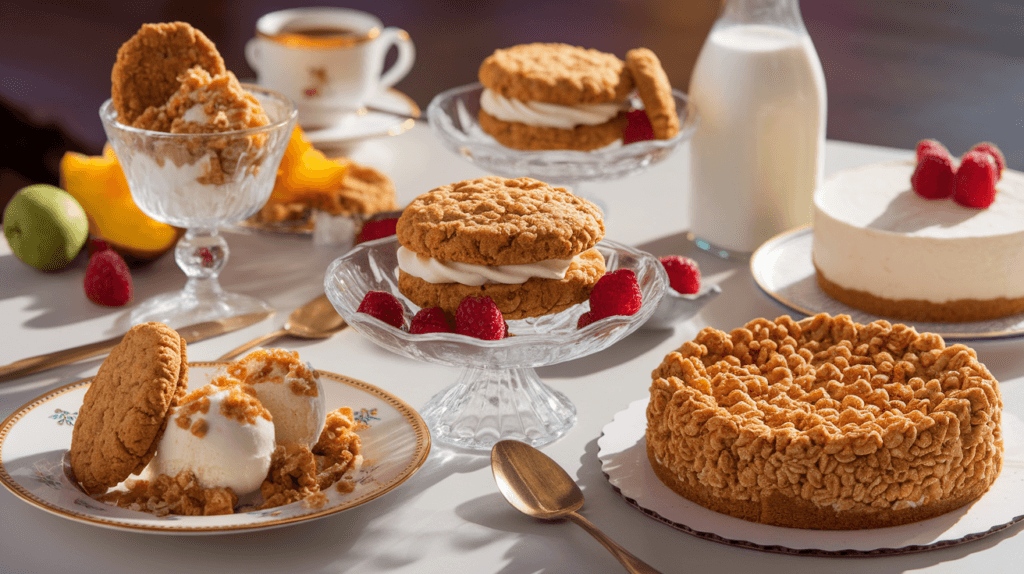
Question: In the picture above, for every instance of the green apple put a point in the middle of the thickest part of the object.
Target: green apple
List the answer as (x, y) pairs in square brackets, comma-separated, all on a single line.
[(45, 226)]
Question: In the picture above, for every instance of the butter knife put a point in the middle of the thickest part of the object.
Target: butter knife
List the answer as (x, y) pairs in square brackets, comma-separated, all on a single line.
[(191, 334)]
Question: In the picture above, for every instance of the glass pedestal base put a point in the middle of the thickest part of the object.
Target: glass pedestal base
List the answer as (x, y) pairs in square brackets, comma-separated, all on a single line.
[(486, 405)]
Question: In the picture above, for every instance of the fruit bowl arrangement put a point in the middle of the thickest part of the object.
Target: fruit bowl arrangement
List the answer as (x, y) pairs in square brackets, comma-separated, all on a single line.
[(498, 394)]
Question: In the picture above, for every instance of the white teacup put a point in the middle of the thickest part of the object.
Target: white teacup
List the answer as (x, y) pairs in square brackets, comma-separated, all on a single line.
[(329, 61)]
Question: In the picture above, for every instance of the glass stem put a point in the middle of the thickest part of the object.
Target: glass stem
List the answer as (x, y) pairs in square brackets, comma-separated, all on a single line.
[(201, 254)]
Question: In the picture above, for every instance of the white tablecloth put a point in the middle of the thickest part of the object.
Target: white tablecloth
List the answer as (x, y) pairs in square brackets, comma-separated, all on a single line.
[(449, 517)]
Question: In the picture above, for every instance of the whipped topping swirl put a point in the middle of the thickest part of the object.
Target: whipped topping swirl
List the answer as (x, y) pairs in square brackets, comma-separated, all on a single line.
[(543, 114), (434, 271)]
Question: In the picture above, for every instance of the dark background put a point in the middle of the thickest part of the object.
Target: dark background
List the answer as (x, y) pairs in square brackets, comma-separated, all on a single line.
[(896, 71)]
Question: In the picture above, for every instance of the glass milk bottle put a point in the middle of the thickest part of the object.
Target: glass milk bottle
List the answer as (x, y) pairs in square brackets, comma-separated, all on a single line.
[(758, 153)]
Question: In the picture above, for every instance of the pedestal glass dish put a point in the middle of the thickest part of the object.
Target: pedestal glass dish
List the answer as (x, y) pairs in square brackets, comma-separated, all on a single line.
[(498, 394), (453, 114), (201, 181)]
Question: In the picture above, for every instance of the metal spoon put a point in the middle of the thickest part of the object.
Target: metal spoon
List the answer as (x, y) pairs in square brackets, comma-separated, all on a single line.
[(534, 484), (314, 320)]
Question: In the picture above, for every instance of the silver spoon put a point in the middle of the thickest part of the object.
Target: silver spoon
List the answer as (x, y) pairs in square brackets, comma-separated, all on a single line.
[(535, 485), (316, 319)]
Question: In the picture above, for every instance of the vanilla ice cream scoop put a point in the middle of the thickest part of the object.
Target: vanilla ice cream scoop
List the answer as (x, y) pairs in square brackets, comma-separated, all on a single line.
[(289, 389), (222, 434)]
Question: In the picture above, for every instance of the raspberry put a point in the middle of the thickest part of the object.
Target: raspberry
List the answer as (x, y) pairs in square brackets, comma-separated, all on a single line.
[(683, 273), (107, 280), (975, 182), (997, 156), (617, 293), (383, 306), (432, 320), (479, 317), (930, 147), (586, 319), (933, 176), (638, 127), (376, 229), (96, 245)]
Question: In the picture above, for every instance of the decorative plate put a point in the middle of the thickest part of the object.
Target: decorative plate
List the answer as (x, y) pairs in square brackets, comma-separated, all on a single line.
[(34, 438)]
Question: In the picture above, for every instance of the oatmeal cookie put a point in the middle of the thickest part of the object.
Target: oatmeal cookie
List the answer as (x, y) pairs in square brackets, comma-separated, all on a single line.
[(148, 65), (557, 74), (499, 221), (655, 92), (124, 412)]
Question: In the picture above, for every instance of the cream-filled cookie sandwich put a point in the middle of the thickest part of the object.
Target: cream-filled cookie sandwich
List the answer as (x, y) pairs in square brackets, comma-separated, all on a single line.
[(528, 246)]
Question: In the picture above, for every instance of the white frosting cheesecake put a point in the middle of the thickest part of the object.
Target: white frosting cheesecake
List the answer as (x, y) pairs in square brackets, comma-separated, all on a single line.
[(881, 248)]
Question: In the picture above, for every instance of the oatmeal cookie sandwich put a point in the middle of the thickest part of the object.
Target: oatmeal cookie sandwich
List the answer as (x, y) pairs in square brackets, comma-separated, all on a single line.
[(553, 96), (528, 246)]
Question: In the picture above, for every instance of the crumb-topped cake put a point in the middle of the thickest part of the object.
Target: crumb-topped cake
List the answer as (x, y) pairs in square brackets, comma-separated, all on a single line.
[(825, 423), (881, 248)]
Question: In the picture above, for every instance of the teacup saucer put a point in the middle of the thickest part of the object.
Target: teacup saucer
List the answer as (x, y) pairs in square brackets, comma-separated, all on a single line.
[(367, 123)]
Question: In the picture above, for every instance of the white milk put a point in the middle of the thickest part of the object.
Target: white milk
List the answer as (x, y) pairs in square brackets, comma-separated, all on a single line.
[(758, 153)]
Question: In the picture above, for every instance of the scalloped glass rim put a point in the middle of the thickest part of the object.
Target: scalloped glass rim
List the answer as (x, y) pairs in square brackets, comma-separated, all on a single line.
[(537, 341), (462, 134)]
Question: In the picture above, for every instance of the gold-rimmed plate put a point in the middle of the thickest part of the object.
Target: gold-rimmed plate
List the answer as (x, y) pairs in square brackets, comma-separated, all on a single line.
[(395, 444)]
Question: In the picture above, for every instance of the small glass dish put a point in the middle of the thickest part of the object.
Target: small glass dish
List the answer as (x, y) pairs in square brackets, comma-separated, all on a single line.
[(676, 307), (201, 181), (498, 394), (452, 116)]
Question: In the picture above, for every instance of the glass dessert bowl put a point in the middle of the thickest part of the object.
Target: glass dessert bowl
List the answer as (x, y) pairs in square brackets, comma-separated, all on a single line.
[(452, 116), (498, 394), (201, 181)]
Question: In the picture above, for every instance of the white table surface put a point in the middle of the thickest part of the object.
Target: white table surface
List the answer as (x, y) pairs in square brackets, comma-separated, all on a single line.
[(449, 517)]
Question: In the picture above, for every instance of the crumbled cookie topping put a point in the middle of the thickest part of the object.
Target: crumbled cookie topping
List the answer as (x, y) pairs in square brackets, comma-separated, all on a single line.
[(276, 366), (179, 494), (848, 416)]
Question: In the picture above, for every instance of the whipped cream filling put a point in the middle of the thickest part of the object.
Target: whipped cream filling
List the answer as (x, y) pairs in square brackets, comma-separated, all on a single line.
[(543, 114), (433, 271)]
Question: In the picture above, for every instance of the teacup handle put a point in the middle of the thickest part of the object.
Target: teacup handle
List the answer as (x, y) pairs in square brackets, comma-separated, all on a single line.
[(252, 53), (406, 55)]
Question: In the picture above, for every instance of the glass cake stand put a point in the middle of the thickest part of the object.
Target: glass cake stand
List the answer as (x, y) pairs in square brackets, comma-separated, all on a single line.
[(452, 116), (498, 394)]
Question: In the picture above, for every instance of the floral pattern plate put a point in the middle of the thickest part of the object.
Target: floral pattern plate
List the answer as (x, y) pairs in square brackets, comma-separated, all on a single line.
[(34, 438)]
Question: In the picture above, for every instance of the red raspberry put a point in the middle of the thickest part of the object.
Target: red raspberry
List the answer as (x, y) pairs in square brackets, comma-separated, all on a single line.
[(95, 245), (383, 306), (432, 320), (933, 176), (376, 229), (683, 273), (617, 293), (638, 127), (586, 319), (930, 147), (997, 156), (479, 317), (107, 279), (975, 183)]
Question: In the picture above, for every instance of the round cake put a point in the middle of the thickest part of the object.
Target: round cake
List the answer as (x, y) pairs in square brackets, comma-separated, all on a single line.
[(825, 423), (881, 248)]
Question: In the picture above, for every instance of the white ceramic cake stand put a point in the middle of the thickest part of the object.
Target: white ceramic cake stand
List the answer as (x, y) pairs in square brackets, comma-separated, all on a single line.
[(452, 116), (498, 394)]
